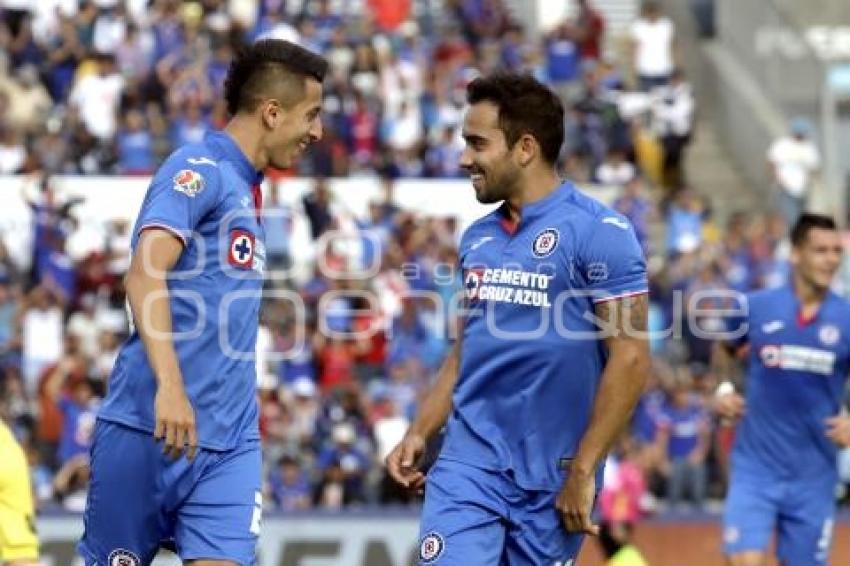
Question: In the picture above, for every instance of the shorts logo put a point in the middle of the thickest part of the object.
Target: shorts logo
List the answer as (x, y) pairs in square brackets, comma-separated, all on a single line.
[(241, 250), (122, 557), (731, 535), (829, 334), (431, 547), (545, 243), (188, 182)]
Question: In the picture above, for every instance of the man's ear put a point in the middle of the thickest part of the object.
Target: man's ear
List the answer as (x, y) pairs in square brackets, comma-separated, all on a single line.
[(272, 114), (526, 149)]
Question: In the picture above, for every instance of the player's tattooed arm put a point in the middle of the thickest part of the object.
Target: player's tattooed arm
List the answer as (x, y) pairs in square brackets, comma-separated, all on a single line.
[(622, 322), (624, 317)]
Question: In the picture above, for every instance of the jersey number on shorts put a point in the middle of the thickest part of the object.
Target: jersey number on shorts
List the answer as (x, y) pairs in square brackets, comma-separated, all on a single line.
[(257, 516)]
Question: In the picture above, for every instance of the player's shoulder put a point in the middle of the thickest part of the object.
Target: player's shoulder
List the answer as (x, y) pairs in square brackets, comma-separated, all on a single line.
[(592, 217), (767, 298), (482, 227), (199, 156), (839, 305)]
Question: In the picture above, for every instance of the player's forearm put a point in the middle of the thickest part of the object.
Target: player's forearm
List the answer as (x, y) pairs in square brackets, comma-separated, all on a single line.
[(149, 301), (622, 384), (435, 408)]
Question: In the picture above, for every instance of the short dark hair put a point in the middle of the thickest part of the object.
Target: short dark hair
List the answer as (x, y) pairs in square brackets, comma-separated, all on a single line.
[(267, 64), (526, 106), (806, 223)]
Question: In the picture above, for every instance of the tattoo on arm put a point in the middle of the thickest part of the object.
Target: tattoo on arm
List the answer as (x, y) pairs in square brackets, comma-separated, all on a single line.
[(625, 317)]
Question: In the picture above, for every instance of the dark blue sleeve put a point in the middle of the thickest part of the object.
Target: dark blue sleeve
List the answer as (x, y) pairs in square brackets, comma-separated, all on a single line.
[(612, 261), (180, 195)]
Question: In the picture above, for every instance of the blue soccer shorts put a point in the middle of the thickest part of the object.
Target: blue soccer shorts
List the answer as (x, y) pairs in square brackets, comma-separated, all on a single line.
[(139, 497), (800, 513), (474, 516)]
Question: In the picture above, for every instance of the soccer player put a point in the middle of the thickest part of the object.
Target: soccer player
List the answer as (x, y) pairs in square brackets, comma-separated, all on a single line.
[(783, 470), (185, 379), (537, 387), (18, 540)]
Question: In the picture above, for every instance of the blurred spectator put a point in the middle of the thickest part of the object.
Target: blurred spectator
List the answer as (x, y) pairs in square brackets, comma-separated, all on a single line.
[(673, 114), (389, 14), (590, 30), (28, 100), (388, 430), (653, 38), (190, 126), (685, 433), (96, 95), (110, 28), (793, 161), (277, 219), (289, 485), (615, 170), (135, 146), (620, 503), (343, 469), (66, 52), (317, 207), (54, 386), (42, 333), (13, 153), (563, 63), (78, 407), (684, 222), (637, 207)]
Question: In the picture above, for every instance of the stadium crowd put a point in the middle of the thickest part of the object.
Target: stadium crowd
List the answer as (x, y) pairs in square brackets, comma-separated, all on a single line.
[(111, 87)]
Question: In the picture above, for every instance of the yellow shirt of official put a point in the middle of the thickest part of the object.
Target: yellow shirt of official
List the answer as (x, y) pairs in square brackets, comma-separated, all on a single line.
[(18, 540)]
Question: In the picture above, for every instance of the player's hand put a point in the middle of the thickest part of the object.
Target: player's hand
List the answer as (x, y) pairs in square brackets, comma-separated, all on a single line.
[(575, 503), (175, 420), (730, 405), (402, 462), (838, 430)]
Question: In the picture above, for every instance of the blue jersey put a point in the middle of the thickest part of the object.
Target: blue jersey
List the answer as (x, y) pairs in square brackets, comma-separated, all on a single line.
[(204, 194), (531, 358), (795, 381)]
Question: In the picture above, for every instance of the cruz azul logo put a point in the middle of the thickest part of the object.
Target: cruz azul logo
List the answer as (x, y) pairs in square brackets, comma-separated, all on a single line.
[(545, 243)]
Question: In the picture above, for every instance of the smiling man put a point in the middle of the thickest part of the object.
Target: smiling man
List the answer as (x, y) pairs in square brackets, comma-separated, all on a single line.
[(185, 379), (533, 394), (783, 466)]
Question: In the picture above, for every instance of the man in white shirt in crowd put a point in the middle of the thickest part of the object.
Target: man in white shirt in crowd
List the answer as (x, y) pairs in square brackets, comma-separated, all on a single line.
[(96, 97), (653, 38), (793, 161)]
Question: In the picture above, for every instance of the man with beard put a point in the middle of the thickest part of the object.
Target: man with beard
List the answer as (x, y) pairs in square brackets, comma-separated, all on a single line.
[(536, 388)]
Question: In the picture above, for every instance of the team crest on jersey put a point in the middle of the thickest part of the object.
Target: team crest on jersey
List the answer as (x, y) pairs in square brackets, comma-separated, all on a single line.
[(545, 243), (122, 557), (829, 335), (471, 283), (241, 250), (188, 182), (431, 547)]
